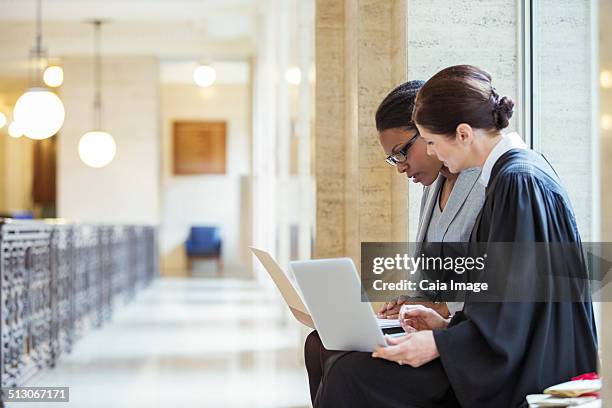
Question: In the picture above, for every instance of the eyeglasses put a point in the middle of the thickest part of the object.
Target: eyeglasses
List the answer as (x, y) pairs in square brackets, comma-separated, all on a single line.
[(396, 158)]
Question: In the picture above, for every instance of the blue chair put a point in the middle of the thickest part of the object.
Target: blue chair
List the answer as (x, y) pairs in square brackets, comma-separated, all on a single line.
[(204, 242), (22, 215)]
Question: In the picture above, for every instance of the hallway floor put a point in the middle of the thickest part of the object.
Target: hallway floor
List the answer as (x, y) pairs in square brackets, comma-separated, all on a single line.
[(187, 343)]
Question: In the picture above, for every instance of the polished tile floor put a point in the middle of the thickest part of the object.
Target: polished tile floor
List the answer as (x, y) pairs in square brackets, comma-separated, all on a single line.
[(188, 343)]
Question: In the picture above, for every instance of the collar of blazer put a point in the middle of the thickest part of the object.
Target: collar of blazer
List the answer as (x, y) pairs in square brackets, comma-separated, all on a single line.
[(463, 186)]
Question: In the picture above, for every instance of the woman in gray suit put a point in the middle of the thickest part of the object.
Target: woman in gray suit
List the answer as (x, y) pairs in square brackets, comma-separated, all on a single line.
[(450, 202), (449, 205)]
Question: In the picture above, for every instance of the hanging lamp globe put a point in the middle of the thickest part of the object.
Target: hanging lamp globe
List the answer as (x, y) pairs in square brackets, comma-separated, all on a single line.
[(97, 149), (53, 76), (40, 113), (204, 76)]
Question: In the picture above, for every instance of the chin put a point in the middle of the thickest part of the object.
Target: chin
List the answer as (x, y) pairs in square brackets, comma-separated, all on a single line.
[(457, 170), (429, 180), (454, 169)]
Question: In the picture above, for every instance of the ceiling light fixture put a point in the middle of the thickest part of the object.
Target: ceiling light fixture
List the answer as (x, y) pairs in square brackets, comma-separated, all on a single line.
[(97, 148), (39, 111), (53, 76), (204, 76)]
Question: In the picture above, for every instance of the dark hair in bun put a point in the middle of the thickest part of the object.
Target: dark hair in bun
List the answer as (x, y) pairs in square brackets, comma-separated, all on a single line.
[(502, 112), (461, 94), (396, 109)]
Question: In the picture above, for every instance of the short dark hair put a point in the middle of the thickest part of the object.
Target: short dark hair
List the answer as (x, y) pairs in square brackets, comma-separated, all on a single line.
[(396, 109), (461, 94)]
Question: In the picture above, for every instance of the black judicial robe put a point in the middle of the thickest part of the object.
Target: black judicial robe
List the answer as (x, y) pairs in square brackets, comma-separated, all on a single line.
[(494, 354), (491, 354)]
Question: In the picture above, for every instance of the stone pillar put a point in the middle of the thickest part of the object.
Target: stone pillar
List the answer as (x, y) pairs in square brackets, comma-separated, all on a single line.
[(360, 57), (330, 135), (263, 159), (305, 43), (283, 129), (281, 200)]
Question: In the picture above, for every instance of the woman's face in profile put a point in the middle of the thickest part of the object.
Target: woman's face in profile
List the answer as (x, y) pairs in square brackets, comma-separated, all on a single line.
[(448, 150), (419, 166)]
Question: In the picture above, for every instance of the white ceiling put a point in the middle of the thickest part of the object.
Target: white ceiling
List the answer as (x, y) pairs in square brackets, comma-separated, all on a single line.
[(177, 31), (125, 10)]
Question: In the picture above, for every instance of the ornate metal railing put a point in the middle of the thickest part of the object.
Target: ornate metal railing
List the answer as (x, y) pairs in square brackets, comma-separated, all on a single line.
[(57, 281)]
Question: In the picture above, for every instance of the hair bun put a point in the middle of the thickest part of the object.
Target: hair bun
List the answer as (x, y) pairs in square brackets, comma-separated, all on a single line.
[(502, 112)]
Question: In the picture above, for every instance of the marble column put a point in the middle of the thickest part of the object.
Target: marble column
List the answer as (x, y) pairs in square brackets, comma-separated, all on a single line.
[(305, 59), (360, 56), (264, 170)]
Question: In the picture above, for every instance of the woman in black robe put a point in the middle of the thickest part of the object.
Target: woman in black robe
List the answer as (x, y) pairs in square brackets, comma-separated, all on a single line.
[(492, 354)]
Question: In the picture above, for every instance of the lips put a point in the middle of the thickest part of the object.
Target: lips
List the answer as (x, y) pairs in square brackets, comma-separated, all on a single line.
[(416, 177)]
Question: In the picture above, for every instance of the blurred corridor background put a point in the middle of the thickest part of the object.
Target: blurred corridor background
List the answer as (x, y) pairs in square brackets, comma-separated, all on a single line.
[(146, 144)]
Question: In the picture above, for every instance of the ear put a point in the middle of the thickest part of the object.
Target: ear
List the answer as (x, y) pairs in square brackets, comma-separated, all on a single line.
[(464, 133)]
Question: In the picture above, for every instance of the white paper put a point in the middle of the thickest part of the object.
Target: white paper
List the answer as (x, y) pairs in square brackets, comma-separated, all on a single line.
[(388, 323)]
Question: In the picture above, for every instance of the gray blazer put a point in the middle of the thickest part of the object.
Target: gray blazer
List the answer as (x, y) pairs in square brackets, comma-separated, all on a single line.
[(460, 212), (459, 215)]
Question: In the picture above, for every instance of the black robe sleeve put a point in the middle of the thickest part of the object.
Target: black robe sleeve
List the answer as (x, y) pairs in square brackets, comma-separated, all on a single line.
[(494, 354)]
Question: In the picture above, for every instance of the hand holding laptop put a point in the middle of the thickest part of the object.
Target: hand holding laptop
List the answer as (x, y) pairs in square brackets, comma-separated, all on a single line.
[(413, 349), (418, 346)]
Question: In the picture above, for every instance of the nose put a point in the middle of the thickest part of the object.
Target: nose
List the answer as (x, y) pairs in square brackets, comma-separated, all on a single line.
[(402, 167)]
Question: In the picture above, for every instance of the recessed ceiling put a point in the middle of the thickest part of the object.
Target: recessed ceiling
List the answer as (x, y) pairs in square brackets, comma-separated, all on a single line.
[(172, 30), (125, 10)]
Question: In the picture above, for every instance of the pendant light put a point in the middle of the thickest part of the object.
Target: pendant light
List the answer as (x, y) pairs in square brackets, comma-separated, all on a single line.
[(204, 76), (97, 148), (53, 76), (39, 112)]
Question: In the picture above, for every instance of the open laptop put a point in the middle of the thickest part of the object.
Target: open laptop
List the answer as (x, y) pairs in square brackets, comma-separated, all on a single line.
[(285, 287), (291, 296), (332, 292)]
